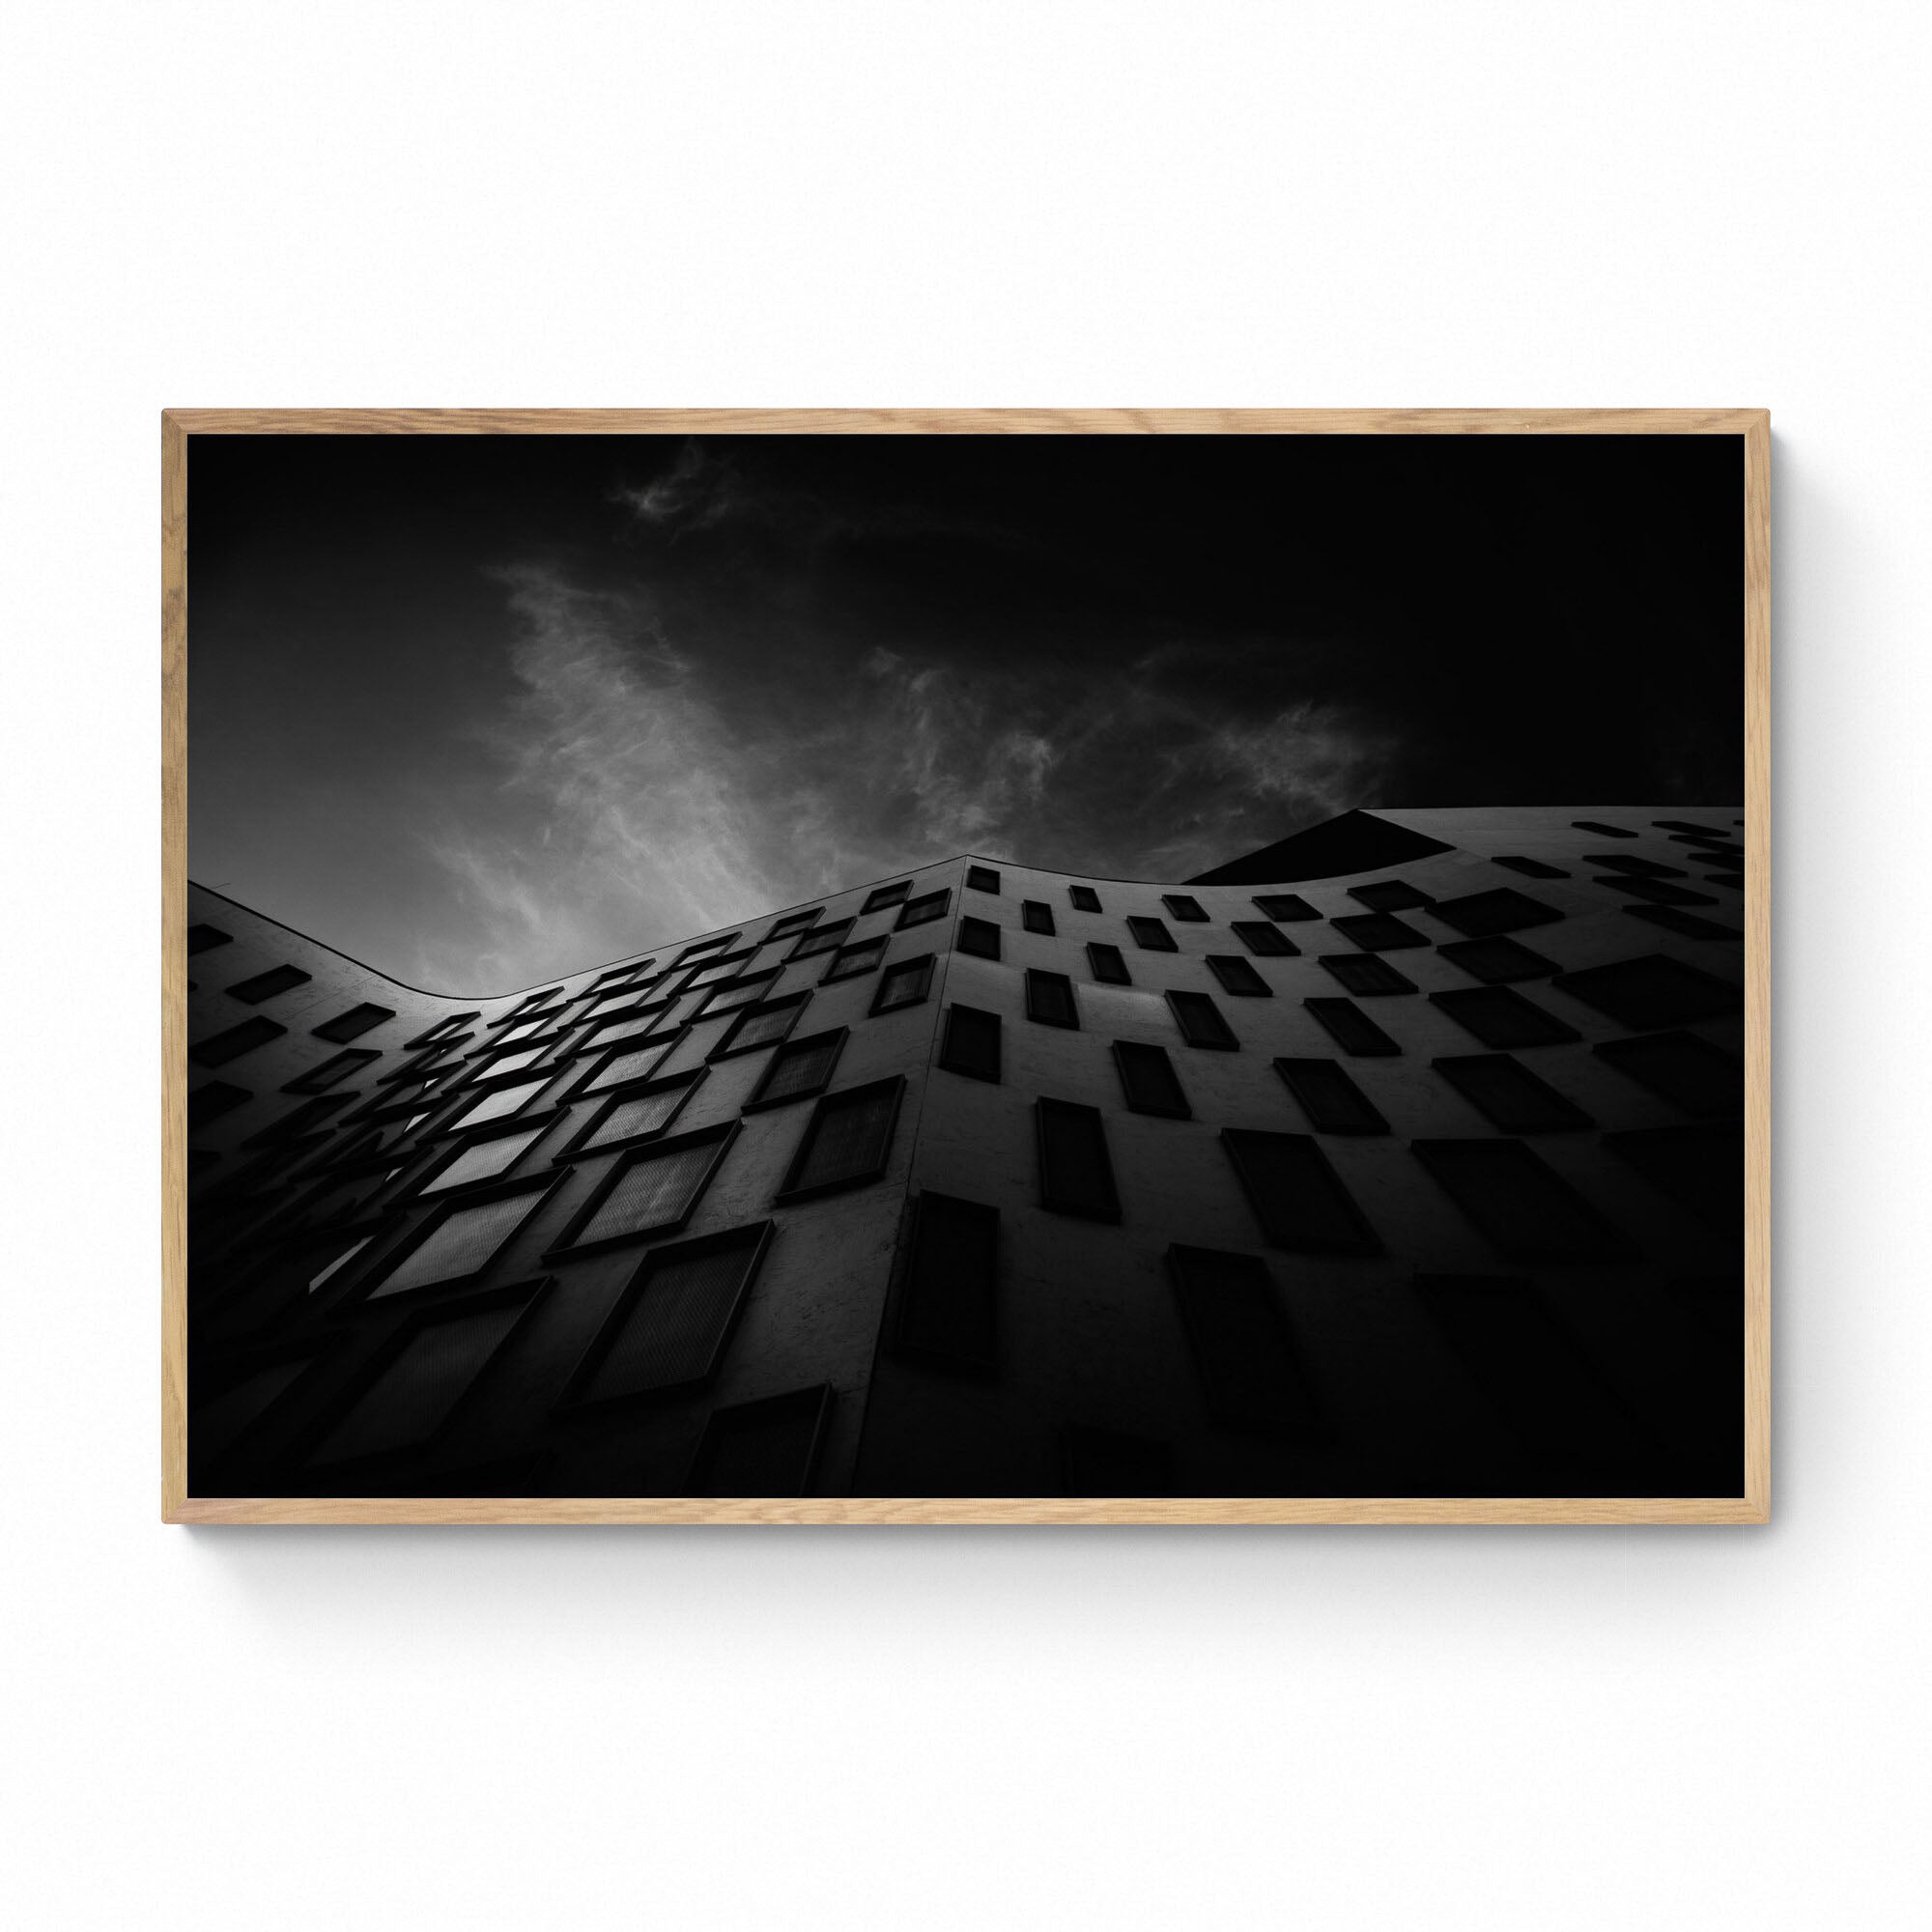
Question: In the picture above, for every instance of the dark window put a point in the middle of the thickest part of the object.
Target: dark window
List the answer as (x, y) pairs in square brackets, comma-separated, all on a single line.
[(651, 1190), (972, 1043), (850, 961), (1107, 966), (1628, 863), (1286, 906), (949, 1294), (1238, 977), (1200, 1021), (1379, 931), (352, 1024), (1496, 961), (1075, 1175), (904, 984), (1297, 1197), (200, 938), (443, 1029), (1332, 1101), (1689, 925), (670, 1327), (636, 968), (1036, 916), (981, 937), (725, 967), (1502, 909), (928, 905), (705, 945), (1655, 891), (1350, 1027), (820, 939), (1257, 935), (1049, 999), (789, 925), (846, 1142), (882, 897), (461, 1240), (1366, 975), (1250, 1373), (334, 1070), (1149, 1080), (1389, 895), (1152, 934), (1700, 1079), (798, 1069), (1179, 906), (1524, 1208), (1085, 898), (266, 985), (1701, 1168), (983, 878), (1503, 1019), (211, 1101), (760, 1026), (638, 1113), (1602, 831), (1110, 1462), (1530, 868), (219, 1049), (734, 994), (1509, 1095), (761, 1448), (1650, 992)]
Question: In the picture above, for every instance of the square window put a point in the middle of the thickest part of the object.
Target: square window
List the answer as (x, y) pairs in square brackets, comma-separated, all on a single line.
[(1107, 966), (1530, 868), (979, 937), (1501, 909), (903, 984), (1650, 992), (1179, 906), (1523, 1207), (352, 1024), (1251, 1375), (1499, 1017), (1237, 976), (760, 1026), (1148, 1081), (1379, 931), (1509, 1097), (1049, 999), (972, 1043), (1286, 907), (1036, 916), (203, 938), (1263, 937), (882, 897), (850, 962), (927, 906), (1332, 1101), (982, 879), (1497, 961), (219, 1049), (1366, 975), (1697, 1078), (1201, 1022), (1295, 1194), (947, 1302), (1389, 895), (1152, 934), (1076, 1177), (1084, 897), (633, 1114), (798, 1069), (461, 1240), (652, 1189), (766, 1448), (1350, 1027), (848, 1142), (266, 985), (821, 939)]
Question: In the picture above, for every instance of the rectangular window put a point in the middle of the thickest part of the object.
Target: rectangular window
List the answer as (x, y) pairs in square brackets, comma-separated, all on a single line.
[(972, 1044), (627, 1061), (1149, 1080), (1152, 934), (1389, 895), (760, 1026), (982, 879), (1350, 1027), (948, 1297), (219, 1049), (927, 906), (1497, 961), (462, 1240), (1251, 1375), (882, 897), (904, 984), (1179, 906), (1366, 975), (724, 967), (1499, 1017), (979, 937), (636, 968), (1650, 992), (1260, 936), (1692, 1075), (1084, 897), (653, 1189), (848, 1142), (1036, 916), (1502, 909), (670, 1327), (334, 1070), (733, 994), (821, 939), (798, 1069), (850, 962), (1107, 966), (1379, 931), (1530, 868), (1286, 907), (792, 925), (352, 1024), (441, 1031), (1076, 1177), (266, 985), (1200, 1021), (1049, 999), (1523, 1207), (1238, 977), (636, 1114), (485, 1159), (529, 1003), (204, 938), (765, 1448), (715, 943), (500, 1102), (1297, 1197), (1332, 1101), (1509, 1095)]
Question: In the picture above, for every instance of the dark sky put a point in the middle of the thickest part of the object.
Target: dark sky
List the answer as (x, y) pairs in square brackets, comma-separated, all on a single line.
[(483, 710)]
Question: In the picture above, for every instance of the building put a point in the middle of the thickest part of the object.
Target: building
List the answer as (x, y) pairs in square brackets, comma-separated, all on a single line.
[(1400, 1158)]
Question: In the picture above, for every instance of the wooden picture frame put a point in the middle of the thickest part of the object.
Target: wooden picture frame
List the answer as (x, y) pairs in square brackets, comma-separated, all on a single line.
[(178, 1505)]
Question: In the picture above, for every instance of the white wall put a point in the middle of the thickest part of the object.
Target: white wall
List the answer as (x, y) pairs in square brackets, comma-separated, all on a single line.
[(1669, 204)]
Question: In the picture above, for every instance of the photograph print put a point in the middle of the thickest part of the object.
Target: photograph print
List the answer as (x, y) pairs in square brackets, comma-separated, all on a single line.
[(965, 968)]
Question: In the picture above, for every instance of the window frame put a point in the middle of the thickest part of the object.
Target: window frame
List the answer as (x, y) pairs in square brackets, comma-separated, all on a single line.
[(759, 1101), (837, 971), (1036, 916), (1038, 979), (828, 935), (1323, 1008), (989, 946), (312, 1081), (1223, 965), (1118, 975), (880, 898), (924, 963), (330, 1028), (1141, 923), (905, 1298), (1304, 1093), (940, 899), (1186, 909), (1108, 1215), (788, 1189), (583, 1144), (1079, 897), (255, 991), (818, 1399), (443, 1154), (1177, 998), (977, 877), (362, 1282), (571, 1244), (1365, 1242), (1122, 1049), (996, 1078), (728, 1048)]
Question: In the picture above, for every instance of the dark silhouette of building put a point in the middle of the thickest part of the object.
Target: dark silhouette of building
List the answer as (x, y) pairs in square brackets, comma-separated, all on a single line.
[(1400, 1158)]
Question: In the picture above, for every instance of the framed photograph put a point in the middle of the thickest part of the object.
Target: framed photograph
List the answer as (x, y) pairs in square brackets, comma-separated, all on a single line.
[(973, 966)]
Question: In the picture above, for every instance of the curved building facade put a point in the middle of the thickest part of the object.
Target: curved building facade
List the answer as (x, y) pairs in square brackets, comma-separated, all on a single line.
[(1400, 1158)]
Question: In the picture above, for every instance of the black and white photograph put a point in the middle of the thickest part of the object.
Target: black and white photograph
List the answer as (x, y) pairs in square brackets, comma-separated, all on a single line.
[(929, 966)]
